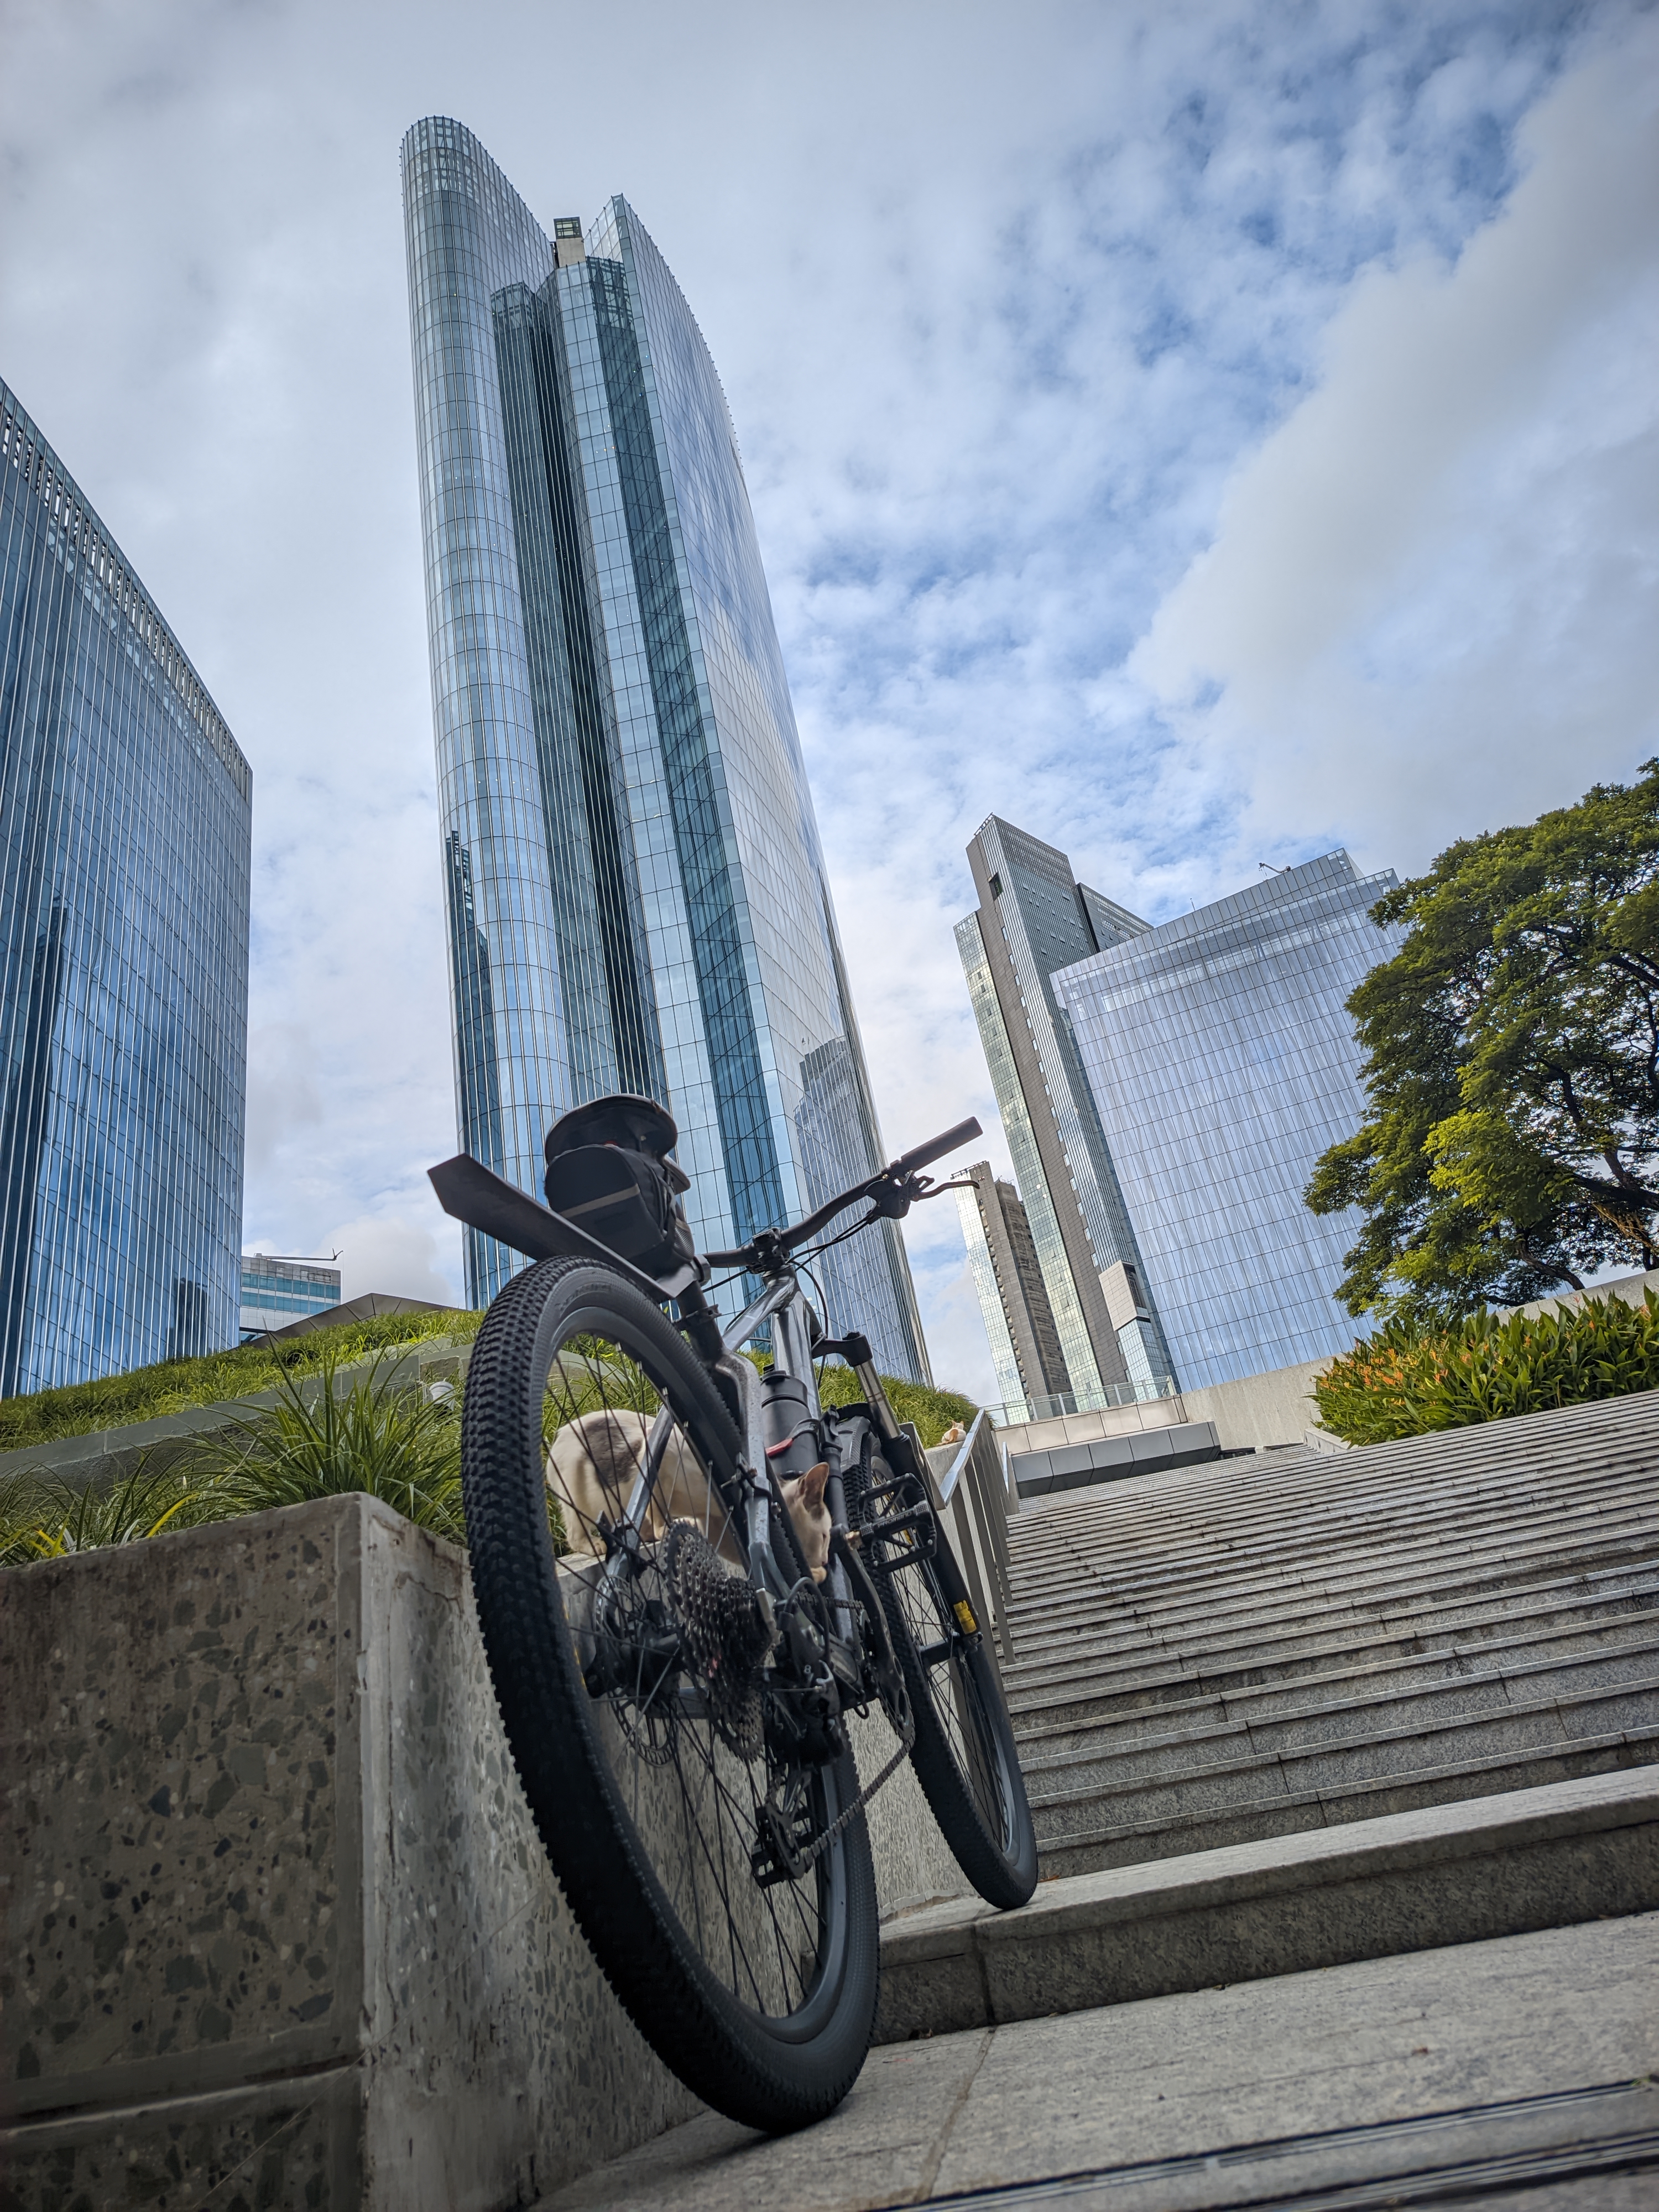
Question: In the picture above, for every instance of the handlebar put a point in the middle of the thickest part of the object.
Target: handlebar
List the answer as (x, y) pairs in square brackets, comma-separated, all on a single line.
[(888, 1185), (934, 1149)]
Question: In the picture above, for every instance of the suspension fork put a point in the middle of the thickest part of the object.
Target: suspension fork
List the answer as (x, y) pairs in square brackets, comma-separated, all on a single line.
[(791, 1349)]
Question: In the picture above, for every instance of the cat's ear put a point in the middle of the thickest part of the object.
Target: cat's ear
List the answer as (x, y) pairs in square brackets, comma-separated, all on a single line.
[(811, 1493)]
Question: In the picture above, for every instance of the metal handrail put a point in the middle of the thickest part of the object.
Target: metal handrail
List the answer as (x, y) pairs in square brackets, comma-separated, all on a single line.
[(973, 1495), (1019, 1411)]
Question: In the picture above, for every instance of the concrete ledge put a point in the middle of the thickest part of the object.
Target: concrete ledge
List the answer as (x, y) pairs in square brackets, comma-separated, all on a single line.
[(274, 1903), (1566, 1852), (1106, 1458)]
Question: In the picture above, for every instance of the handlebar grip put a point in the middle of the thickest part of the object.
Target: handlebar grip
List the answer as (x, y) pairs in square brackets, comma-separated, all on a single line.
[(936, 1147)]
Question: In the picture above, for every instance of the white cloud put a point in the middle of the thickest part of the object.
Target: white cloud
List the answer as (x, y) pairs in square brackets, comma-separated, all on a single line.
[(390, 1253), (1431, 599), (998, 317), (282, 1094)]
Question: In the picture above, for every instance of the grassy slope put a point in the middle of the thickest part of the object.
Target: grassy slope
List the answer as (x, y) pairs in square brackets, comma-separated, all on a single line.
[(172, 1385), (933, 1411)]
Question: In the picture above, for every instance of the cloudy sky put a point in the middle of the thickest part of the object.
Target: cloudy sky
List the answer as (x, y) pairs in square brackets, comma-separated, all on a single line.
[(1201, 433)]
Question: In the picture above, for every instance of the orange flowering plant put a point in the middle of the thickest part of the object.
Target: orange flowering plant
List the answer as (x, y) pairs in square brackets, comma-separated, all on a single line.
[(1408, 1378)]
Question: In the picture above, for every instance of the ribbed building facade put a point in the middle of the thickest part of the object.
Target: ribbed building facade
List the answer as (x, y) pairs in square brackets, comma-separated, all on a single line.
[(1030, 1368), (1033, 918), (125, 812), (635, 891)]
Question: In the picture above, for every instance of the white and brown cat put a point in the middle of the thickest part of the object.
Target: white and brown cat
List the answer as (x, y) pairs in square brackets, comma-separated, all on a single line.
[(594, 1459)]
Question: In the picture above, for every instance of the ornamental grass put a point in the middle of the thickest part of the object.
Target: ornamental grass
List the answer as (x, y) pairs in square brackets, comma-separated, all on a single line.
[(1406, 1381)]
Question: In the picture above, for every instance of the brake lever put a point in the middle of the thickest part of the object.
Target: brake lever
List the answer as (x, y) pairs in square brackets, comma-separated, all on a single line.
[(900, 1197)]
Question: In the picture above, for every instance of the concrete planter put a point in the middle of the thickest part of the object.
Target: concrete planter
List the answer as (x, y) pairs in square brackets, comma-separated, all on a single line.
[(277, 1924)]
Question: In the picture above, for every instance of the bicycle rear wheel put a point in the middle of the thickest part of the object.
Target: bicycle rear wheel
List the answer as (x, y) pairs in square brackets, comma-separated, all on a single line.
[(964, 1754), (626, 1671)]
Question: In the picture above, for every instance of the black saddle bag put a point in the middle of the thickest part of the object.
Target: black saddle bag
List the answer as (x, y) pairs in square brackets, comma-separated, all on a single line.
[(617, 1192)]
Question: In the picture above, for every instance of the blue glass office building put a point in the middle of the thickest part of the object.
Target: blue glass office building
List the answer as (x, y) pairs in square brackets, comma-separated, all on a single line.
[(124, 827), (278, 1291), (636, 894), (1223, 1061)]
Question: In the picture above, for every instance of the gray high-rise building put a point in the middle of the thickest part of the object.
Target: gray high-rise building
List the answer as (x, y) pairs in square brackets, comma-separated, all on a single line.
[(636, 893), (125, 818), (1030, 1368), (278, 1291), (1034, 918), (1222, 1063)]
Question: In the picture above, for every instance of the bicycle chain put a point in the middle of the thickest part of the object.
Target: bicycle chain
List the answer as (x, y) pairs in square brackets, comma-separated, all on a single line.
[(726, 1643), (907, 1736), (819, 1844)]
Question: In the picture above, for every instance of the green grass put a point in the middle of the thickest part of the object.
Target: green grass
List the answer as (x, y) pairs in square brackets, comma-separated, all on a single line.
[(46, 1519), (932, 1411), (363, 1434), (174, 1385), (1406, 1380)]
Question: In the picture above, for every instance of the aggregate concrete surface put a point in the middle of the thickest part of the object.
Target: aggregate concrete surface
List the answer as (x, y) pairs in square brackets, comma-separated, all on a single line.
[(1517, 2022), (276, 1915)]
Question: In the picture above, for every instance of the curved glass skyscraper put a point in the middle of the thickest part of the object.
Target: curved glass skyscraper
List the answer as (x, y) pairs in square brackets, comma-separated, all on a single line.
[(635, 891), (125, 811)]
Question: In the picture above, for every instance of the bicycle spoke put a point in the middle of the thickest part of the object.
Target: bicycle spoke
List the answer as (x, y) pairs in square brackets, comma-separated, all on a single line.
[(612, 1458)]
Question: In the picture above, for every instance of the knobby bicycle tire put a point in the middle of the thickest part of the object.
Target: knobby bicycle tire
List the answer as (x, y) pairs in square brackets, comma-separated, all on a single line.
[(965, 1754), (627, 1886)]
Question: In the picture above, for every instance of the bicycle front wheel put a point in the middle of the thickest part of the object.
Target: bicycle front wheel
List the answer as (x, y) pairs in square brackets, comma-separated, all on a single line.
[(964, 1754), (599, 1469)]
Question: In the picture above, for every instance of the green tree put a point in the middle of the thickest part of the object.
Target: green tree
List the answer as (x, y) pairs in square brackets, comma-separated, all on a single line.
[(1512, 1143)]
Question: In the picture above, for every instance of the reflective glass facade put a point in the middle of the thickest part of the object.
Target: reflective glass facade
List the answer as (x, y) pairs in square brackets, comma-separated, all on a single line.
[(636, 892), (1222, 1063), (1035, 919), (124, 830), (276, 1291)]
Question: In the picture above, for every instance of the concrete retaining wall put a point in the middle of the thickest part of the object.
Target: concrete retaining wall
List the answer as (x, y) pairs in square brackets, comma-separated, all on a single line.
[(1258, 1412), (277, 1924)]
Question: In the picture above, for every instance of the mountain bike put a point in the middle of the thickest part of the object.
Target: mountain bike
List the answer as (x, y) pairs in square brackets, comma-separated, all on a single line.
[(683, 1653)]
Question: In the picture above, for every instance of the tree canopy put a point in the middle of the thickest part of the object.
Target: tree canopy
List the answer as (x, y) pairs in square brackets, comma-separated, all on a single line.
[(1511, 1145)]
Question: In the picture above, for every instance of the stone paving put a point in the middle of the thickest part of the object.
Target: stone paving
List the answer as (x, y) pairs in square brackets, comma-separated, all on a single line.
[(1484, 2051)]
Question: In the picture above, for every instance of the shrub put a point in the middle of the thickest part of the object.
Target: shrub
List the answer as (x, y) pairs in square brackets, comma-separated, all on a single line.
[(330, 1431), (377, 1435), (47, 1518), (1407, 1380)]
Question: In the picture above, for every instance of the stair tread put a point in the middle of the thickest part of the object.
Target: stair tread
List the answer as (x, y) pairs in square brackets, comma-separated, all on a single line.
[(1132, 1840), (1147, 1888), (1311, 1694), (1147, 1634), (1105, 1592), (1641, 1695)]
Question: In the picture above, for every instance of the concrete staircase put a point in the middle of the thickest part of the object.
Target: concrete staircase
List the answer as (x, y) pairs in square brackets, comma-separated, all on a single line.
[(1302, 1676), (1293, 1639), (1347, 1773)]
